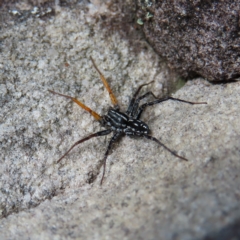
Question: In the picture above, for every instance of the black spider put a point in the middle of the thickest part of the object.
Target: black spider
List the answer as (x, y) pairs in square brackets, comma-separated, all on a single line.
[(120, 123)]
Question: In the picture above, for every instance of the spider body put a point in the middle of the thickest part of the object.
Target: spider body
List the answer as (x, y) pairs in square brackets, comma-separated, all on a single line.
[(120, 123)]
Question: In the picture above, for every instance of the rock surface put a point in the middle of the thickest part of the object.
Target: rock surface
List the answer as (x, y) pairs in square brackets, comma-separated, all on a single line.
[(147, 192), (196, 37)]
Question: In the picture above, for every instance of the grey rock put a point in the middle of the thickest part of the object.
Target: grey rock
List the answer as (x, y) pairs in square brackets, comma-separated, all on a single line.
[(147, 193)]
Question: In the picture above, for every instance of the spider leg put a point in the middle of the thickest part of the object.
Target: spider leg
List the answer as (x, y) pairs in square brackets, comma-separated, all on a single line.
[(113, 139), (132, 102), (142, 107), (161, 144), (105, 83), (97, 134), (94, 114), (136, 104)]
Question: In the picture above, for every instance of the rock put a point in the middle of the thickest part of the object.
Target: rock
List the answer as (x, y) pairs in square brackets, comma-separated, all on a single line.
[(147, 192), (196, 37)]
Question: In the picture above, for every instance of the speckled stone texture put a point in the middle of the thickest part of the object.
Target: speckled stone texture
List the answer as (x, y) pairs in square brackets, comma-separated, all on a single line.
[(147, 193), (196, 37)]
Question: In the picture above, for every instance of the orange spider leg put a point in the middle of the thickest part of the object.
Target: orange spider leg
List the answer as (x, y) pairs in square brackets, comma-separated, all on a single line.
[(105, 83), (94, 114)]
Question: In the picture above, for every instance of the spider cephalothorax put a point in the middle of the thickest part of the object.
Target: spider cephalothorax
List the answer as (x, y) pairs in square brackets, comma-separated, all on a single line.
[(120, 123)]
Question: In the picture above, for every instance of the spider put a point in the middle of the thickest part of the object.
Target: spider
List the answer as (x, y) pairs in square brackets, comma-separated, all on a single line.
[(121, 123)]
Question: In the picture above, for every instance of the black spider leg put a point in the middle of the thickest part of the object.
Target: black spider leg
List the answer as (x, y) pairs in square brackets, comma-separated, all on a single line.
[(132, 102), (142, 107), (113, 139), (136, 104), (161, 144), (97, 134)]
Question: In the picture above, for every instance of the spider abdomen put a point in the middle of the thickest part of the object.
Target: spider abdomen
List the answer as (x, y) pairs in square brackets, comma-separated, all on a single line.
[(136, 127), (120, 122)]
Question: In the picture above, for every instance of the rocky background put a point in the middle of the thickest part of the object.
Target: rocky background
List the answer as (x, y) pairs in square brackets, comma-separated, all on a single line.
[(196, 37), (147, 192)]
